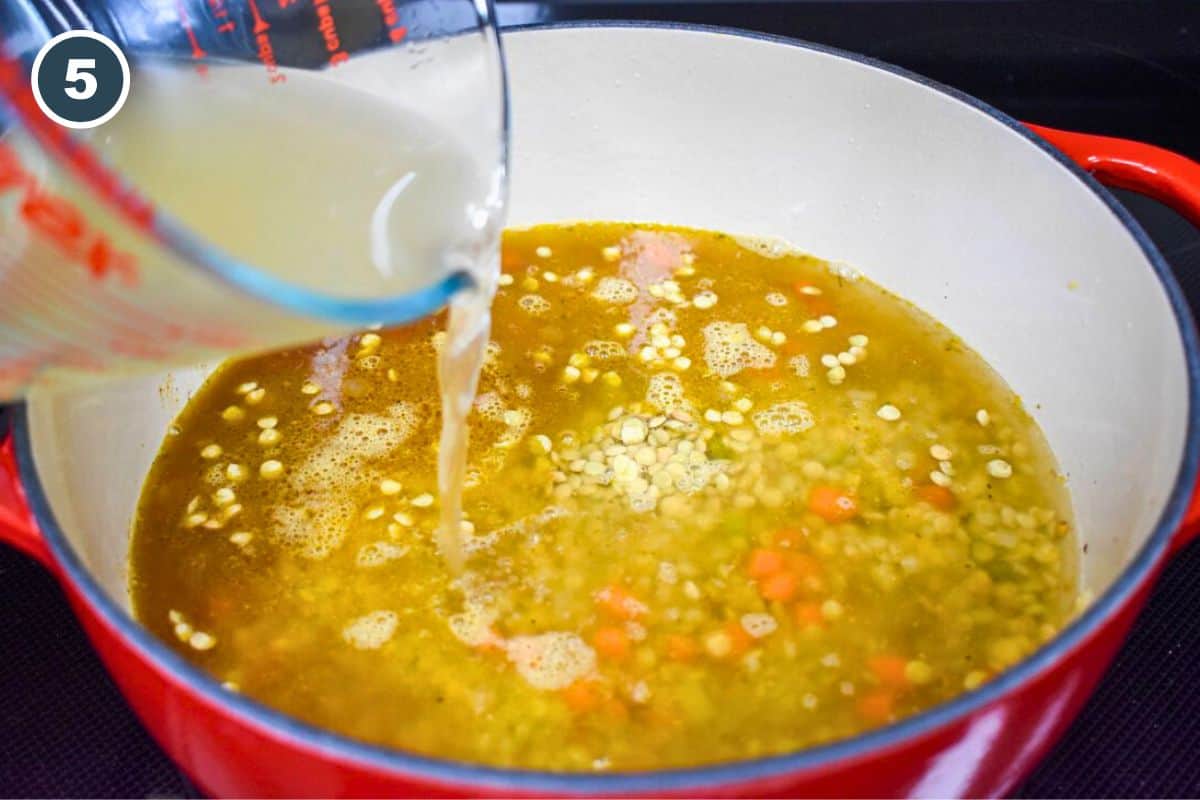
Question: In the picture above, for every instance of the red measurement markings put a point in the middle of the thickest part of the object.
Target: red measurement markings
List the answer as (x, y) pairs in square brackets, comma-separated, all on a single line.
[(217, 337), (260, 24), (139, 346), (221, 12), (16, 372), (396, 31), (198, 53), (138, 333), (266, 53), (80, 359), (59, 222), (328, 29), (78, 157)]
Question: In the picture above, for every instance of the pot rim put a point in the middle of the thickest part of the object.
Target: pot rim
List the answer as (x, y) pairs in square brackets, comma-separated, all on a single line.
[(455, 774)]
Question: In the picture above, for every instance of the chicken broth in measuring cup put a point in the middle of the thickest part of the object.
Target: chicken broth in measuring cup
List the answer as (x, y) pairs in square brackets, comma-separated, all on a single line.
[(722, 500)]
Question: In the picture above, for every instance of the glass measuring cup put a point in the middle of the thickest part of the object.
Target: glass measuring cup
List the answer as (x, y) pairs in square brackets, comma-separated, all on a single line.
[(282, 170)]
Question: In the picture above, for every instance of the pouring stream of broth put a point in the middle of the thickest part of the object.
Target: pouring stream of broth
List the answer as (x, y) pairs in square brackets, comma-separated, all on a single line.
[(468, 327)]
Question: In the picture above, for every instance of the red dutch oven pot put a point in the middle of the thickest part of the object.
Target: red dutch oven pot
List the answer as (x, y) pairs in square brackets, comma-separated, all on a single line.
[(931, 193)]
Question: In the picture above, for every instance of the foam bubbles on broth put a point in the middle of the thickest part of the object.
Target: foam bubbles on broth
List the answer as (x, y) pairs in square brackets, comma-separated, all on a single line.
[(604, 350), (792, 416), (615, 290), (319, 511), (377, 554), (729, 348), (665, 392), (551, 661), (371, 631)]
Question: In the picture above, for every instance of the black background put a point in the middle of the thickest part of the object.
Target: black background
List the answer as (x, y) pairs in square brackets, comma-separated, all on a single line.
[(1122, 67)]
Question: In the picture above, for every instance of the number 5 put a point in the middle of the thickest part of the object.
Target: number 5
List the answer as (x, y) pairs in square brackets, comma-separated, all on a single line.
[(76, 75)]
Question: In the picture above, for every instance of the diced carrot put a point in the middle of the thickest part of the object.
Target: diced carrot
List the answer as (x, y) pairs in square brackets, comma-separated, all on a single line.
[(616, 600), (582, 697), (764, 562), (681, 648), (889, 669), (611, 642), (937, 496), (808, 572), (832, 504), (781, 586), (741, 640), (808, 615), (803, 565), (876, 706)]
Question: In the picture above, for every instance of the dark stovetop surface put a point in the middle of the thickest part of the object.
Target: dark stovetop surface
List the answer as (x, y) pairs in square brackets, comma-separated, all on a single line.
[(1123, 67)]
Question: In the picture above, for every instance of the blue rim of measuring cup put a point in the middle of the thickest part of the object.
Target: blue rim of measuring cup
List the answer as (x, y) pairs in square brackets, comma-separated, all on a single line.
[(265, 286), (174, 236)]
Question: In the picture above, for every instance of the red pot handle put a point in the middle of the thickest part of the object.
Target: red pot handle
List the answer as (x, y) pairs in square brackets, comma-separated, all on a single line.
[(1167, 177), (17, 525)]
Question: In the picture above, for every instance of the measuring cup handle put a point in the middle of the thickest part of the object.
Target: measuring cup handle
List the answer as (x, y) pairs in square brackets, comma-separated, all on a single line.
[(17, 524)]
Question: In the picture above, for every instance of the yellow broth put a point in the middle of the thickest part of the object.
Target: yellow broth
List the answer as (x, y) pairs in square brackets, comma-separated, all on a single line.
[(724, 501)]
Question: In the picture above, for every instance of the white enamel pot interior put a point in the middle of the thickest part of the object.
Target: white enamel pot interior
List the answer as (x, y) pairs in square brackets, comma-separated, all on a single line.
[(930, 195)]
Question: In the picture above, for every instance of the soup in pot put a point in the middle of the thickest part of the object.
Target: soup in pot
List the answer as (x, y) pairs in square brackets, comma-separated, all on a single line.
[(723, 500)]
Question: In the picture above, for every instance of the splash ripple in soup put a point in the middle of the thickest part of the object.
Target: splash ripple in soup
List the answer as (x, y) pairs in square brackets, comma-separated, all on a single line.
[(723, 501)]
